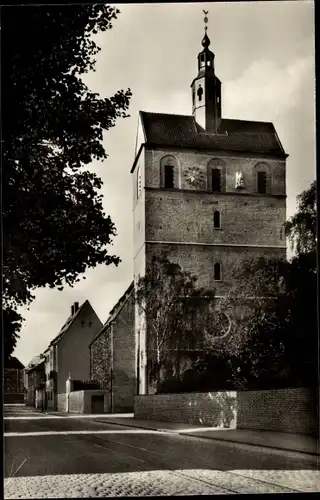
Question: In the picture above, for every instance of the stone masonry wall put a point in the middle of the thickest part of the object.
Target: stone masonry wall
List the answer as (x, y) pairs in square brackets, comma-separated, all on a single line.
[(284, 410), (199, 260), (100, 355), (281, 410), (124, 370), (216, 409)]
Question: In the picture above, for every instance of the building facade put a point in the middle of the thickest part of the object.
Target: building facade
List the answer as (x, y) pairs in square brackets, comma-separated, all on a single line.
[(208, 191), (113, 355), (13, 382), (36, 383), (68, 353)]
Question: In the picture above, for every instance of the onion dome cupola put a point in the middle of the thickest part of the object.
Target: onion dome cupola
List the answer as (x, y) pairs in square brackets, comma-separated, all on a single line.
[(206, 89)]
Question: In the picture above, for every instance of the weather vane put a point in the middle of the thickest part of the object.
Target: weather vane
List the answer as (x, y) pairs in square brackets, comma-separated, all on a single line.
[(206, 12)]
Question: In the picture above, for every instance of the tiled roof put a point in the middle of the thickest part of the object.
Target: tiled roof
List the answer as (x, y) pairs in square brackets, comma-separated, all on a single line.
[(233, 135), (14, 363), (67, 324), (33, 366)]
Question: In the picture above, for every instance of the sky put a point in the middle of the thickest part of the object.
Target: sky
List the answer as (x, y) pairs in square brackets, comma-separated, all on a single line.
[(264, 57)]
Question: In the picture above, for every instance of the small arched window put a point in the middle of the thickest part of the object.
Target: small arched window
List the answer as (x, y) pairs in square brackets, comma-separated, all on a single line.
[(216, 220), (169, 172), (216, 180), (199, 93), (216, 175), (193, 96), (262, 182), (217, 271), (168, 176)]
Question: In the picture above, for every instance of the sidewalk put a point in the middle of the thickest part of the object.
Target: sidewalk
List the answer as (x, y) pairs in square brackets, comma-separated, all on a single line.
[(276, 440)]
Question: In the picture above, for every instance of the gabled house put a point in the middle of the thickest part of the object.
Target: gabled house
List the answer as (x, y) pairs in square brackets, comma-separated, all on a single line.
[(113, 355), (13, 382), (36, 383), (68, 353)]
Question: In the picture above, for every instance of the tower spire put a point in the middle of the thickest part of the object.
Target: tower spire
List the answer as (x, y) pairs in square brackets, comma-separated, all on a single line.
[(206, 87), (206, 40)]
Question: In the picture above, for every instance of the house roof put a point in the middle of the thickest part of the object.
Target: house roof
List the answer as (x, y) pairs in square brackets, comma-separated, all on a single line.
[(233, 135), (14, 363), (35, 366), (68, 323), (115, 310)]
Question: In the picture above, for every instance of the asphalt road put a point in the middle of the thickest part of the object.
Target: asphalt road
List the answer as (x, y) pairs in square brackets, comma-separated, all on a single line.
[(71, 457)]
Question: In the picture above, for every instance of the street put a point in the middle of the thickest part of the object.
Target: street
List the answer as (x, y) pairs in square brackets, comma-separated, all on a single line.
[(47, 456)]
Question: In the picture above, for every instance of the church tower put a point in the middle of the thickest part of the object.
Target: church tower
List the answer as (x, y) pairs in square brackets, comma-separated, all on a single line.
[(208, 192), (206, 90)]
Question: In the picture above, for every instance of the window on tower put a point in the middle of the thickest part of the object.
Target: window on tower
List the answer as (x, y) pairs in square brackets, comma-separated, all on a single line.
[(217, 271), (216, 179), (262, 182), (216, 220), (168, 176), (200, 93)]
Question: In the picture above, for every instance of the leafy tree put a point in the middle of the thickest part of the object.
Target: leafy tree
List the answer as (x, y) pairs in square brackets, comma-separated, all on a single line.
[(176, 313), (301, 227), (54, 225), (273, 339)]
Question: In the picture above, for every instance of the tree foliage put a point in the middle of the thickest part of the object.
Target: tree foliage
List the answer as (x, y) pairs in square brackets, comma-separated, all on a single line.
[(175, 309), (301, 228), (53, 218), (273, 340)]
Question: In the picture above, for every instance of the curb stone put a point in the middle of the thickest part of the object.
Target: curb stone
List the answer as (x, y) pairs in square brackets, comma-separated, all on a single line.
[(189, 434)]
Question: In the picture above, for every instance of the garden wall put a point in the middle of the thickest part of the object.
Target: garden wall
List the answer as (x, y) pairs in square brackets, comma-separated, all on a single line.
[(216, 409), (81, 401), (282, 410)]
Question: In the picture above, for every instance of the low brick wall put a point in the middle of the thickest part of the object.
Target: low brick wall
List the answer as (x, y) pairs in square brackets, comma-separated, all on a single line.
[(216, 409), (281, 410), (80, 401)]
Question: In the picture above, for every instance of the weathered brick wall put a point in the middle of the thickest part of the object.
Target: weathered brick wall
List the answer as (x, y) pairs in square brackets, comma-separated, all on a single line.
[(101, 365), (184, 217), (282, 410), (216, 409), (199, 260), (124, 370), (187, 158)]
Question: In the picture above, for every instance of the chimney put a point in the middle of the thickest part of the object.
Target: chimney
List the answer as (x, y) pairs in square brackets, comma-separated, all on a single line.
[(76, 306), (72, 310)]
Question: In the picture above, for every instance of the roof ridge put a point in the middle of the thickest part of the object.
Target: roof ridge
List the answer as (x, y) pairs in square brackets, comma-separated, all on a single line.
[(166, 114), (245, 121)]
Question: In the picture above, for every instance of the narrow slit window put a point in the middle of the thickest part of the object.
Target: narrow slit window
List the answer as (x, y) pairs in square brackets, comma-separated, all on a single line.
[(262, 182), (217, 271), (216, 179), (216, 220), (168, 176)]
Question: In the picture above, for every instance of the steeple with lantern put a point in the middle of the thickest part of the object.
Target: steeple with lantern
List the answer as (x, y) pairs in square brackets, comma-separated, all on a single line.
[(206, 89)]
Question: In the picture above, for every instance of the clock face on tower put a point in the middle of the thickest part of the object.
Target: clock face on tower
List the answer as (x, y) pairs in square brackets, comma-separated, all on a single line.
[(194, 176)]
